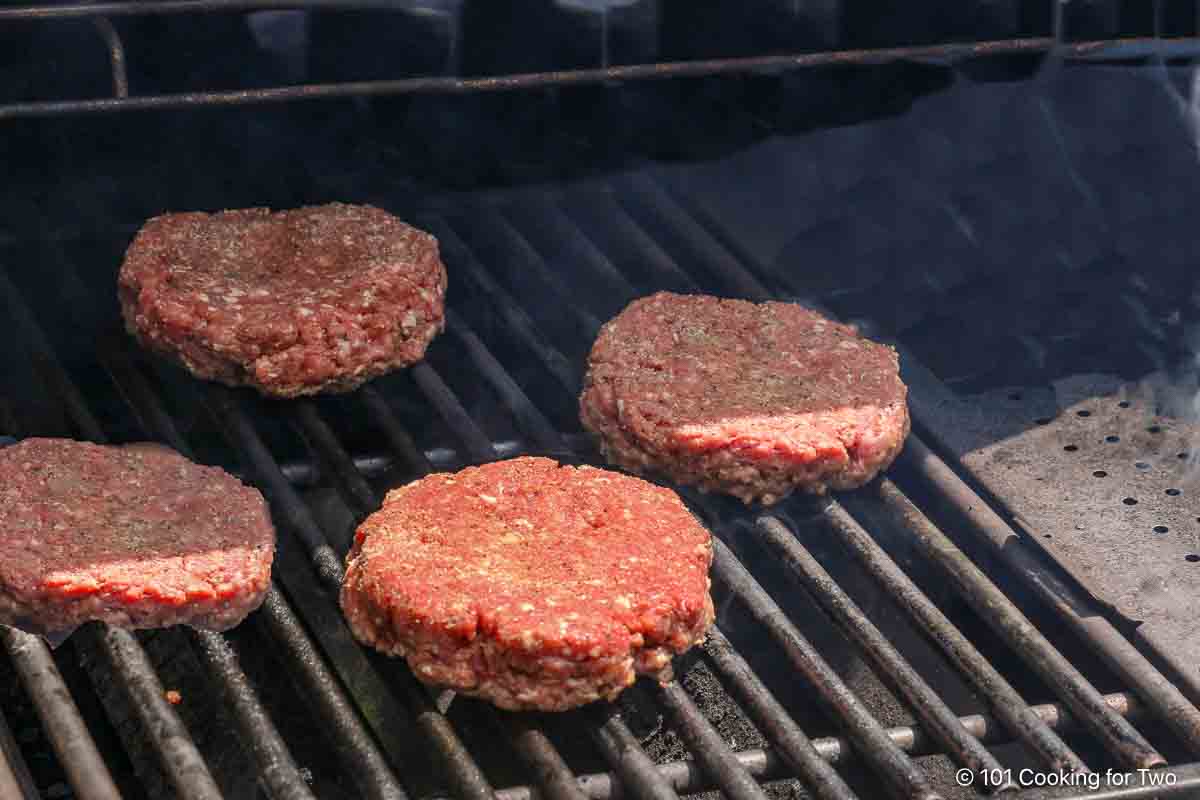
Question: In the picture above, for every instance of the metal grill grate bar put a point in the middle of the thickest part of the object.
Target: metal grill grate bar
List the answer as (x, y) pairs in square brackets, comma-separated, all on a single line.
[(15, 780), (500, 233), (1118, 736), (710, 749), (475, 443), (516, 320), (936, 717), (240, 433), (348, 657), (764, 765), (629, 760), (1161, 694), (869, 737), (530, 420), (68, 733), (792, 745), (180, 760), (398, 438), (1002, 698)]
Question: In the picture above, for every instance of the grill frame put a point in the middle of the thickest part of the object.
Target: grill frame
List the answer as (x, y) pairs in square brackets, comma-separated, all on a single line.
[(1058, 46)]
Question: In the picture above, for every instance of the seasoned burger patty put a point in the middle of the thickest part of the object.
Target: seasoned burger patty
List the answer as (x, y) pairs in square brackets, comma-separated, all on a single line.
[(531, 584), (137, 536), (318, 299), (753, 400)]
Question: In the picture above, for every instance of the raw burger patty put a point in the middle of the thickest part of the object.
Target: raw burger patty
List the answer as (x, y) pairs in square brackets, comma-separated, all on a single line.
[(753, 400), (531, 584), (318, 299), (137, 536)]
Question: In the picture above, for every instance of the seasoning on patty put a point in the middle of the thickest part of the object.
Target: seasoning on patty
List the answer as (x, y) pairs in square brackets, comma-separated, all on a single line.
[(136, 536), (313, 300), (531, 584), (755, 400)]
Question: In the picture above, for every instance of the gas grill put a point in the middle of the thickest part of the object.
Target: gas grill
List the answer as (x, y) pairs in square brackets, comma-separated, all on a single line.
[(923, 637)]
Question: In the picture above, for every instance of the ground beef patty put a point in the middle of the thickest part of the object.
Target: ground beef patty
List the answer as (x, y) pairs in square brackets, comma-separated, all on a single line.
[(531, 584), (137, 536), (754, 400), (318, 299)]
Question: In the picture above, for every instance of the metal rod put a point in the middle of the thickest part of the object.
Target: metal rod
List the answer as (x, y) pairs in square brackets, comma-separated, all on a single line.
[(277, 769), (240, 433), (323, 441), (528, 417), (714, 755), (351, 742), (516, 320), (621, 231), (499, 230), (15, 780), (326, 619), (397, 437), (281, 777), (1003, 700), (936, 717), (68, 733), (685, 234), (785, 735), (994, 607), (178, 757), (985, 524), (898, 773), (555, 779), (630, 763), (45, 358), (116, 55), (947, 53), (685, 778), (474, 441)]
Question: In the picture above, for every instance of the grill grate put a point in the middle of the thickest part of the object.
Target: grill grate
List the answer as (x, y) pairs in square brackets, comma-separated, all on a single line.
[(383, 725)]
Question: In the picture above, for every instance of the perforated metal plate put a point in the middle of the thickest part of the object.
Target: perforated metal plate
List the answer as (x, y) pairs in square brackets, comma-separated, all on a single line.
[(1107, 486)]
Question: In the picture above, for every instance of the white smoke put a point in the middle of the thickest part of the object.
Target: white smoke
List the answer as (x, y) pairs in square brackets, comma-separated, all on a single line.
[(1174, 387)]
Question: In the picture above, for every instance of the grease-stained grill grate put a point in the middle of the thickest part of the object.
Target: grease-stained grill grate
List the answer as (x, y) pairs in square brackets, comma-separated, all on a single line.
[(384, 727)]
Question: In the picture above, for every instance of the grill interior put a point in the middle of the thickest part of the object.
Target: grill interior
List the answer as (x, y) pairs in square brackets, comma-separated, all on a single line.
[(867, 645), (453, 410)]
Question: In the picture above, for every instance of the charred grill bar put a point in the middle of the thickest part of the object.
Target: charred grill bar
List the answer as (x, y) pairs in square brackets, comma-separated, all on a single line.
[(383, 726)]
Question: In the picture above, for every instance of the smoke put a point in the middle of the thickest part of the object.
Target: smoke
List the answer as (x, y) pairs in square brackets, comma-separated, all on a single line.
[(1172, 342)]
